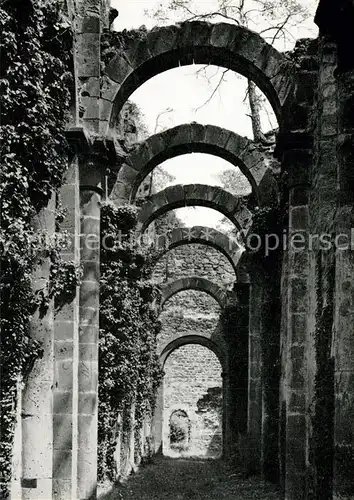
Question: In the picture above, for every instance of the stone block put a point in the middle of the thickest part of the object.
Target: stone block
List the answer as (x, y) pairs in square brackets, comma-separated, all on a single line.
[(61, 489), (63, 350), (62, 402), (296, 401), (298, 295), (139, 53), (88, 55), (174, 194), (298, 368), (36, 489), (87, 403), (88, 351), (89, 315), (62, 464), (119, 69), (163, 40), (299, 329), (63, 375), (87, 434), (88, 333), (89, 294), (191, 34), (65, 314), (62, 432), (197, 133), (91, 270)]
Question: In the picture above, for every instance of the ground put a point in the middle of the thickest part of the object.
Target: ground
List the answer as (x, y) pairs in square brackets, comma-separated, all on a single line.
[(183, 479)]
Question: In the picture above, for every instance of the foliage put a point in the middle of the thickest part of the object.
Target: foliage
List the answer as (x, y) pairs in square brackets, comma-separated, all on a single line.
[(34, 84), (130, 124), (129, 370)]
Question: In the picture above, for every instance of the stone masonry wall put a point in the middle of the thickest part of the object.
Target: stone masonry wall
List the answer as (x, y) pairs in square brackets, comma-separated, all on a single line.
[(189, 372), (195, 260)]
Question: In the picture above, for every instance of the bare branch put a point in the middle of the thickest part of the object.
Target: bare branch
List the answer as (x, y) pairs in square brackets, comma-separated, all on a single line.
[(214, 91)]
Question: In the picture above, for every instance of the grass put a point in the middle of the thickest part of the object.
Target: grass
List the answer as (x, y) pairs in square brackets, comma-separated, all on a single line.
[(183, 479)]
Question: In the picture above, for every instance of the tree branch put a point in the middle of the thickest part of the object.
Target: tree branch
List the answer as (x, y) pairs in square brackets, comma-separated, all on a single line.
[(214, 91)]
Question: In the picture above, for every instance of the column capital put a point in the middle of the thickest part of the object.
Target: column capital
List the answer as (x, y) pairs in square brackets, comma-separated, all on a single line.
[(106, 148)]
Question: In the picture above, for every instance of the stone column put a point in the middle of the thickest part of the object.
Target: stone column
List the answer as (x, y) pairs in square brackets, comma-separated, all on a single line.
[(264, 353), (238, 365), (157, 421), (90, 201), (270, 339), (254, 426), (37, 397), (66, 325), (343, 346), (226, 424), (297, 161)]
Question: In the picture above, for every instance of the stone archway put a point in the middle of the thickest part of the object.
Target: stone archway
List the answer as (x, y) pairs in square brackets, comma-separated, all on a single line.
[(179, 236), (195, 138), (195, 194), (194, 283), (162, 413), (217, 348), (147, 54)]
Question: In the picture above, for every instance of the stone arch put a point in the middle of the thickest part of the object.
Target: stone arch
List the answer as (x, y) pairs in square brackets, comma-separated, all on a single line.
[(163, 48), (194, 339), (194, 283), (194, 194), (194, 138), (179, 236)]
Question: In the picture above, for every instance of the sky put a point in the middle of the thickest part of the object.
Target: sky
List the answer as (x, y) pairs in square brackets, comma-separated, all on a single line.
[(182, 95)]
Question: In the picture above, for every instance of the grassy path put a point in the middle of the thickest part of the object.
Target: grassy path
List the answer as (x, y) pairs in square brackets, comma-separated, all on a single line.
[(182, 479)]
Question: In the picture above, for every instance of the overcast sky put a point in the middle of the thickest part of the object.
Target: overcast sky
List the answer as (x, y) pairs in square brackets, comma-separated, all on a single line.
[(177, 96)]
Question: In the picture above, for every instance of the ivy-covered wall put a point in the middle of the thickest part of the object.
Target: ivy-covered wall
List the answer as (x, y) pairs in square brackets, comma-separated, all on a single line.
[(129, 369), (36, 81)]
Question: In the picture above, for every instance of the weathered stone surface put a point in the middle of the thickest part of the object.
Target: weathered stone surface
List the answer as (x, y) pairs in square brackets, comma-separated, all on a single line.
[(194, 283), (204, 235), (187, 138), (193, 194), (226, 45)]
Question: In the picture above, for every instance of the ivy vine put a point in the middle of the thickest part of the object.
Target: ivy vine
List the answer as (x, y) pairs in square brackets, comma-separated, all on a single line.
[(35, 80), (129, 369)]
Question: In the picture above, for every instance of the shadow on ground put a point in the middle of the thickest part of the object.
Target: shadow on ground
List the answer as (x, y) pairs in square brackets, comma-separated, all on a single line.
[(196, 479)]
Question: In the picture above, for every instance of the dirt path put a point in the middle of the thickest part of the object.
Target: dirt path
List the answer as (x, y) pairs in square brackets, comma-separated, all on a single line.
[(169, 479)]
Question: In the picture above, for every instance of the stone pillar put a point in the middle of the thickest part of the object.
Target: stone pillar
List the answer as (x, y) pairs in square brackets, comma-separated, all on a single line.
[(226, 424), (254, 425), (157, 421), (87, 24), (238, 364), (343, 345), (66, 325), (90, 199), (37, 397), (297, 161), (270, 340), (264, 370)]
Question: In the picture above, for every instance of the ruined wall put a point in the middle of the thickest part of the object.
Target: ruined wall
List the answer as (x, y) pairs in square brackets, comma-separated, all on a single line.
[(188, 312), (192, 369), (195, 260), (189, 372)]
